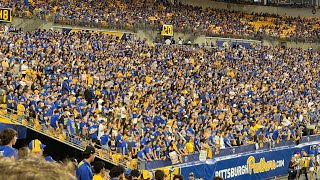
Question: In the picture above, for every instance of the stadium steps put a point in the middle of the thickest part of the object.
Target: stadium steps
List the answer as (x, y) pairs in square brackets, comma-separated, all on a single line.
[(29, 24), (18, 21), (145, 35), (194, 37), (34, 24), (36, 126)]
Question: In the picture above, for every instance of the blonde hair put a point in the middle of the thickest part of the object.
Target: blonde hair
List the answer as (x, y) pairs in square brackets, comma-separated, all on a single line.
[(29, 169), (24, 153)]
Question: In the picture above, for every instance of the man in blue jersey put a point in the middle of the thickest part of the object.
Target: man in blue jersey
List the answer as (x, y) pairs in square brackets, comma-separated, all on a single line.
[(93, 131), (70, 126), (54, 120), (10, 101), (84, 171)]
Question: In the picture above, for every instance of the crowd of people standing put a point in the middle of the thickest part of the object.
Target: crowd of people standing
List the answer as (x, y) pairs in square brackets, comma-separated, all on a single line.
[(129, 14), (145, 101)]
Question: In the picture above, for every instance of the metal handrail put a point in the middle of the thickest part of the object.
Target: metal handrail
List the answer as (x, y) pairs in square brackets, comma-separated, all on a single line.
[(18, 121)]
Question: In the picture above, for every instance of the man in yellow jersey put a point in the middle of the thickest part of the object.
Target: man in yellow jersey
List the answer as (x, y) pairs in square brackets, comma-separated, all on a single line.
[(84, 171)]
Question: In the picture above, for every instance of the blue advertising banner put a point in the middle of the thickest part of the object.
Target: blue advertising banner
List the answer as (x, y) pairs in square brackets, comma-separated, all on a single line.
[(223, 152), (262, 164), (255, 166)]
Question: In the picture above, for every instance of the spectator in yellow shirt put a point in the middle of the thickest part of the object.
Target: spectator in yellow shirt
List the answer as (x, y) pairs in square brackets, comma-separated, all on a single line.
[(99, 171), (20, 108), (190, 146)]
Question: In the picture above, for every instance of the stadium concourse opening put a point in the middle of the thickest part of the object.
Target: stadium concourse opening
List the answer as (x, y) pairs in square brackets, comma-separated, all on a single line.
[(58, 150)]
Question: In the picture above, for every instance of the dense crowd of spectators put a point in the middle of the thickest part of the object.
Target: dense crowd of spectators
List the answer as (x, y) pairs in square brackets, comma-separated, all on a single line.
[(145, 101), (128, 14), (29, 163), (283, 3)]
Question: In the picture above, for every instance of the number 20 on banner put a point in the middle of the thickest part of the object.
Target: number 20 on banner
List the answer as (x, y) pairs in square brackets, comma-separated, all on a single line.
[(167, 30), (6, 14)]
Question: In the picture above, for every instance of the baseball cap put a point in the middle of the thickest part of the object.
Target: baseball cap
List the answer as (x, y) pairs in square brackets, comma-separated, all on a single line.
[(36, 145), (191, 174), (89, 150)]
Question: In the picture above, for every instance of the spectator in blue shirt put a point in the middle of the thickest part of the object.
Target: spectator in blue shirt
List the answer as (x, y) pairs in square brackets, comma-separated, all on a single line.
[(119, 139), (104, 139), (148, 150), (226, 141), (312, 150), (275, 134), (84, 171), (8, 138), (54, 121), (65, 86), (10, 101), (46, 116), (70, 126), (140, 155), (312, 166), (93, 131)]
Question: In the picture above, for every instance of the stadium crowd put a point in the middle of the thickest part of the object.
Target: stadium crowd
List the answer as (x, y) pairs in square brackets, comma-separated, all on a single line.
[(29, 163), (145, 101), (127, 14)]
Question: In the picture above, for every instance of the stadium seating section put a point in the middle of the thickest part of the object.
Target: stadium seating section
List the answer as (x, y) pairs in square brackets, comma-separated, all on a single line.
[(167, 98), (129, 14), (140, 101)]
